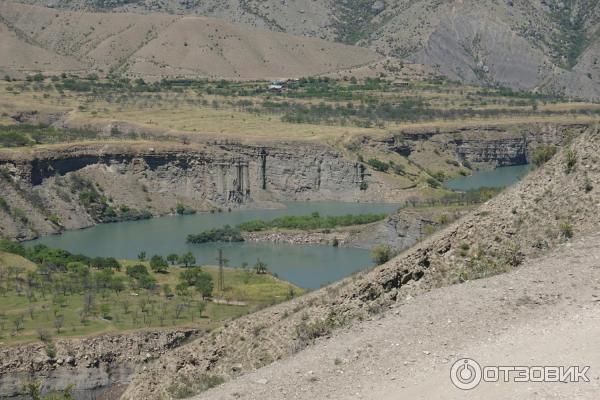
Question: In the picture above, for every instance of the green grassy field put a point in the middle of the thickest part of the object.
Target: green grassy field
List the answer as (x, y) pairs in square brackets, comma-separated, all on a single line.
[(128, 309)]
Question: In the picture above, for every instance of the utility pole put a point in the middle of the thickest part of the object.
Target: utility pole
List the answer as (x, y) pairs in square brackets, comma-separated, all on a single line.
[(221, 279)]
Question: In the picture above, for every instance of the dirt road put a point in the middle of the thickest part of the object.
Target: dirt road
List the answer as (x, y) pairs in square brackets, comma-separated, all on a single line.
[(543, 314)]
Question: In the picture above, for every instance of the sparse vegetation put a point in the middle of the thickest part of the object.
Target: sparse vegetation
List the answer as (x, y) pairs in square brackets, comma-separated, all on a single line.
[(570, 160), (543, 154), (225, 234), (566, 230), (52, 290), (381, 254), (311, 222), (184, 387)]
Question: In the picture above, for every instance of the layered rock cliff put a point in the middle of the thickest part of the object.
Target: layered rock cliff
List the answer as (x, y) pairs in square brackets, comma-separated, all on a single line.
[(74, 186), (484, 146), (91, 365)]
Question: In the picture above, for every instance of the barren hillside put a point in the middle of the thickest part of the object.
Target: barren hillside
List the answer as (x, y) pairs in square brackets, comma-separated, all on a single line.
[(546, 44), (159, 45), (536, 315), (553, 204)]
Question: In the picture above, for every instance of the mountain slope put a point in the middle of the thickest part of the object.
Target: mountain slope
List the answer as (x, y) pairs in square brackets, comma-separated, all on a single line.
[(536, 315), (160, 45), (551, 205), (549, 45)]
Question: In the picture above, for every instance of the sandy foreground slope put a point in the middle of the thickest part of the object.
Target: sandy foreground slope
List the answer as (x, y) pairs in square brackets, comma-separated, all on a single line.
[(545, 313)]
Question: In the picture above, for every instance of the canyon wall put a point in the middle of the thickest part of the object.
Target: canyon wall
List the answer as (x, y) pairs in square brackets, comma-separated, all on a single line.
[(482, 146), (74, 186)]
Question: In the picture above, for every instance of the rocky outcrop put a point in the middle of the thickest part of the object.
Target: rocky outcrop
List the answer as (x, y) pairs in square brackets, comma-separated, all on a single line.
[(400, 231), (91, 365), (483, 146), (74, 186)]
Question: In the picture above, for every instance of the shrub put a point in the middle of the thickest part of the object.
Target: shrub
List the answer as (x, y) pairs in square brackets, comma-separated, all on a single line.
[(543, 154), (381, 254), (55, 219), (481, 266), (570, 160), (50, 350), (378, 165), (566, 230), (181, 209), (184, 386), (434, 183), (399, 169), (311, 222), (464, 248), (587, 185), (260, 267), (4, 205), (225, 234), (20, 215)]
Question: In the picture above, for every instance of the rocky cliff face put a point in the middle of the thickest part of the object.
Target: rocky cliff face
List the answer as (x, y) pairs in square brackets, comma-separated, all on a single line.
[(482, 146), (91, 365), (76, 186)]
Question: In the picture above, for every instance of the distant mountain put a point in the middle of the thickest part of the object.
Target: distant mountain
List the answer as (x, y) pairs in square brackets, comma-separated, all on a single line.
[(552, 45), (159, 45)]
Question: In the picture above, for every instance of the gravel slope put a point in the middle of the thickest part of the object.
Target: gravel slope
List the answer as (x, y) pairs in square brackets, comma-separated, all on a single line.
[(545, 313)]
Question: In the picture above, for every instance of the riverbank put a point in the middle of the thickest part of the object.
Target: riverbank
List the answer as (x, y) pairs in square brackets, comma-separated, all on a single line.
[(398, 230)]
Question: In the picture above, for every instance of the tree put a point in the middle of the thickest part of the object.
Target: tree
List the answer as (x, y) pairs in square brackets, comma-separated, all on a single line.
[(88, 302), (204, 285), (381, 254), (105, 311), (166, 288), (140, 274), (260, 267), (188, 259), (142, 256), (182, 289), (18, 322), (125, 305), (58, 323), (195, 277), (173, 258), (159, 264), (179, 309), (201, 307)]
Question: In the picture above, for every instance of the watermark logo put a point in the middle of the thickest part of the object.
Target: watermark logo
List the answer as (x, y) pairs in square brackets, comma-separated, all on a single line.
[(466, 374)]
